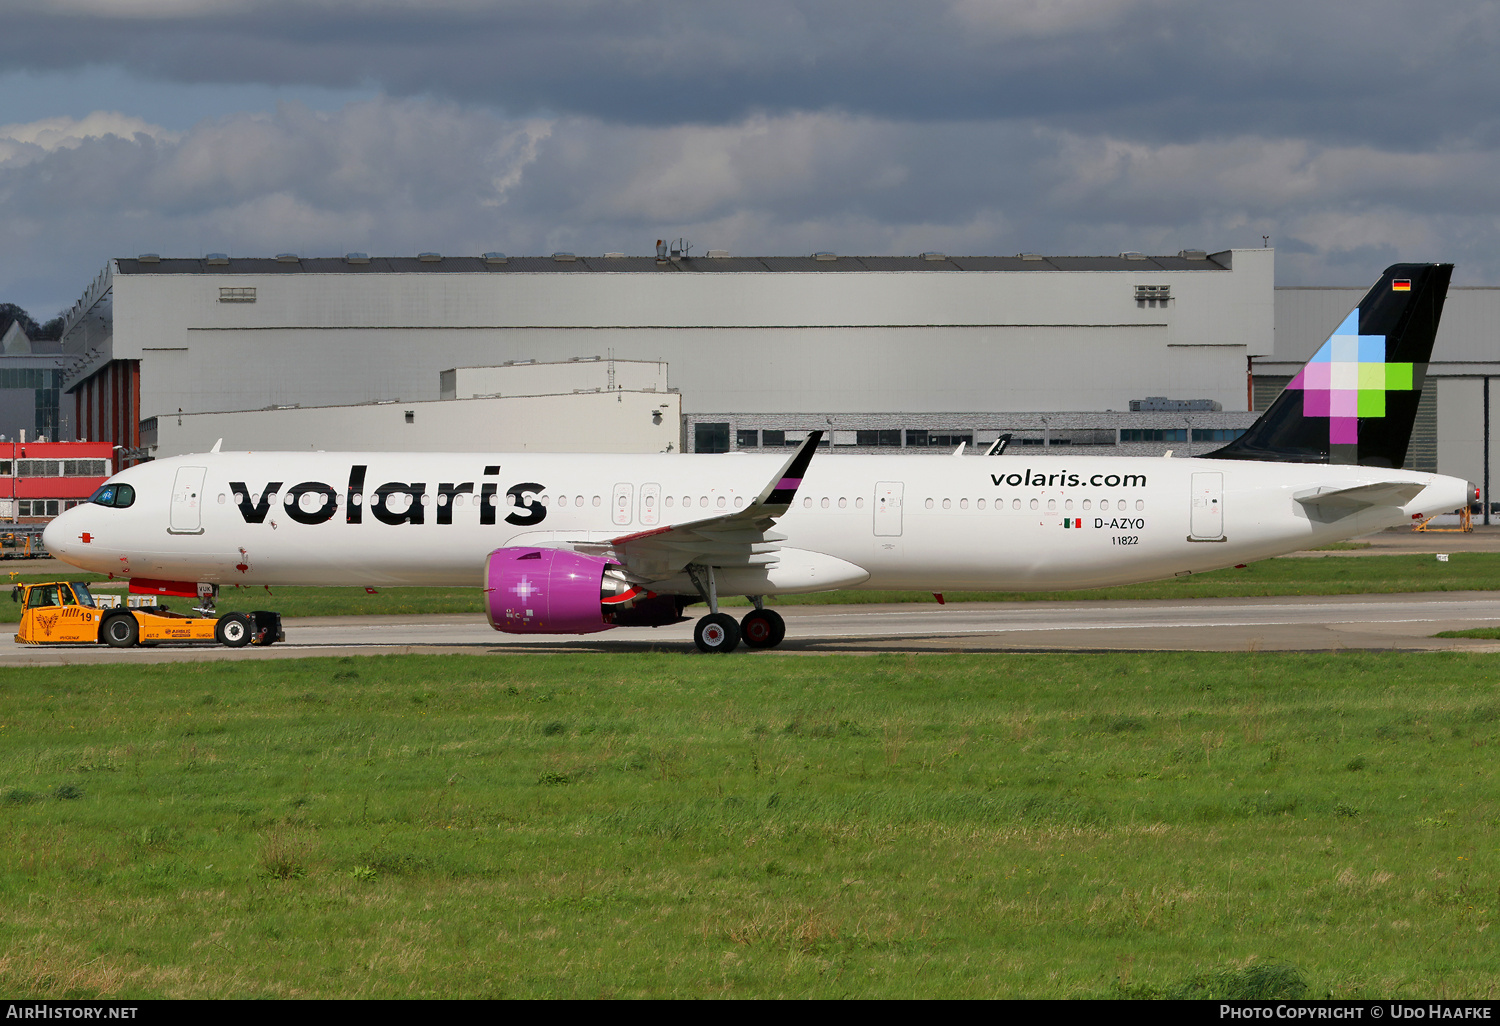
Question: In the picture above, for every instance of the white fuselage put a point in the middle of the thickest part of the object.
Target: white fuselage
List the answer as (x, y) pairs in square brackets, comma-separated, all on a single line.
[(920, 523)]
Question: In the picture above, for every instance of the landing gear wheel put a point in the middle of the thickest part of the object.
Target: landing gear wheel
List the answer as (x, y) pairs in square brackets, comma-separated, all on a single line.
[(233, 630), (259, 620), (763, 628), (716, 632), (121, 631)]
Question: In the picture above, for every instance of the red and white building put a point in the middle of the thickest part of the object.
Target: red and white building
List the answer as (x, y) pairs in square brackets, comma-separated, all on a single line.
[(38, 480)]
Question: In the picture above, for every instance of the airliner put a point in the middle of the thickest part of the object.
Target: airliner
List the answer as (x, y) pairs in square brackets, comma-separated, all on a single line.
[(576, 544)]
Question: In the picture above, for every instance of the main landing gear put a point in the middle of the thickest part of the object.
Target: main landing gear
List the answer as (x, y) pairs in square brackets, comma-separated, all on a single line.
[(760, 628), (718, 632)]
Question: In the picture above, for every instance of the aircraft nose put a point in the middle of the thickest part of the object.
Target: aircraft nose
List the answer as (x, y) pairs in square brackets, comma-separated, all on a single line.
[(54, 535), (63, 536)]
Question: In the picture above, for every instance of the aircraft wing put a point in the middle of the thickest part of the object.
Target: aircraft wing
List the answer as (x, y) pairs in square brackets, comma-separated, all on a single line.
[(742, 538), (1339, 502)]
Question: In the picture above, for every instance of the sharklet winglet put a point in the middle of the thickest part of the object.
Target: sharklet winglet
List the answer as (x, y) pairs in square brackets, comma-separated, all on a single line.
[(783, 487)]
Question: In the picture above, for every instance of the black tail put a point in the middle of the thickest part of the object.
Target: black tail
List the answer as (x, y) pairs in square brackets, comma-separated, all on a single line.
[(1355, 400)]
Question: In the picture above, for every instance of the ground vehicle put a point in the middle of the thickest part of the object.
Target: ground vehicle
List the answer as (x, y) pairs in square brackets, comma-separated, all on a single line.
[(61, 612)]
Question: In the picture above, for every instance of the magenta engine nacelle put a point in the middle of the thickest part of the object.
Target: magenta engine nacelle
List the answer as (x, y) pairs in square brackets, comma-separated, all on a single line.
[(555, 591)]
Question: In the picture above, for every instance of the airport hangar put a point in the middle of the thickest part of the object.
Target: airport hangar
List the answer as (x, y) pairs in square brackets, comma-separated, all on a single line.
[(1127, 355)]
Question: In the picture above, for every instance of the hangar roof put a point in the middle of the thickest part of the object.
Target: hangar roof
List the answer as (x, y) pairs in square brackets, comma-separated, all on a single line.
[(643, 264)]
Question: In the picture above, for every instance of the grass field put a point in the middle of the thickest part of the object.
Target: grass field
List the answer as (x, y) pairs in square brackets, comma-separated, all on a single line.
[(1332, 575), (668, 825)]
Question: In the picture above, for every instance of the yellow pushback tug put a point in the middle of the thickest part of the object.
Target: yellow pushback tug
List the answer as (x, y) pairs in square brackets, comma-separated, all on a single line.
[(63, 612)]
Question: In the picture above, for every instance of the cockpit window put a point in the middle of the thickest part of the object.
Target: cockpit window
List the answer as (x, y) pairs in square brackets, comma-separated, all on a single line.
[(117, 495)]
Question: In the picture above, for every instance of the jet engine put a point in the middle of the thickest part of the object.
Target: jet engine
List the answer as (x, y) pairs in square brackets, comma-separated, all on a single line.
[(555, 591)]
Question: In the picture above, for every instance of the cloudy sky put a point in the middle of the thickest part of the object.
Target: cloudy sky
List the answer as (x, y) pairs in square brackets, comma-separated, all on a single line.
[(1352, 133)]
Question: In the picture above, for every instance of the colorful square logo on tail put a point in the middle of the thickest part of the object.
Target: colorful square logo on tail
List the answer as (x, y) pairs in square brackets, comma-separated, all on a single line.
[(1348, 378), (1401, 285)]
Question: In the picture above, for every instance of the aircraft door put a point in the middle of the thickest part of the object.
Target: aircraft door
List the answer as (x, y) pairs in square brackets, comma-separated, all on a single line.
[(187, 501), (1207, 523), (650, 505), (621, 504), (888, 508)]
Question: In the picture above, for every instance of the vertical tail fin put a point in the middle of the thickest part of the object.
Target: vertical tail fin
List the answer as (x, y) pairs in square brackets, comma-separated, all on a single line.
[(1356, 399)]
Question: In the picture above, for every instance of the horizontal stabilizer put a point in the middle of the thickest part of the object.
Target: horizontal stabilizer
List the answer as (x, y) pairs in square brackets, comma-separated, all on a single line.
[(1343, 501)]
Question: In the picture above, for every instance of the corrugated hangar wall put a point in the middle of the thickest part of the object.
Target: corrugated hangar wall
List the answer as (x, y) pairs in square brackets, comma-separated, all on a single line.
[(591, 421), (839, 336)]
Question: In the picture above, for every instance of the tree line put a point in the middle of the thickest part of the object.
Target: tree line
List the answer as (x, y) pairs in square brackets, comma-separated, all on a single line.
[(48, 332)]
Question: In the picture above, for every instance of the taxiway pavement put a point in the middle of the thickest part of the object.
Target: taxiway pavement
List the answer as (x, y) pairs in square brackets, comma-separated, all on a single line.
[(1312, 623)]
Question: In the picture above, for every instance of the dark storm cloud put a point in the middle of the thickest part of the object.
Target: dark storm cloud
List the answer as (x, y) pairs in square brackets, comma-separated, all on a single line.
[(1351, 134), (1395, 74), (399, 176)]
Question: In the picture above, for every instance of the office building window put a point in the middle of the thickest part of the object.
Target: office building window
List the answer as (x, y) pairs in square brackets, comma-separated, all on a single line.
[(710, 437)]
